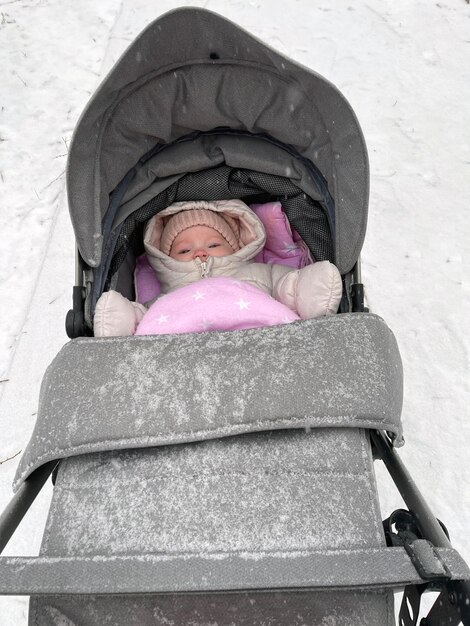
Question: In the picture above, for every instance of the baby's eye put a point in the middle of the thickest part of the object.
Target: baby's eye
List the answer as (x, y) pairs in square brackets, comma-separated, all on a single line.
[(185, 251), (214, 245)]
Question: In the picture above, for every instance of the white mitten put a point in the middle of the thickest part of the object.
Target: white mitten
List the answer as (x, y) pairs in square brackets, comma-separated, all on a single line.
[(116, 316), (313, 291)]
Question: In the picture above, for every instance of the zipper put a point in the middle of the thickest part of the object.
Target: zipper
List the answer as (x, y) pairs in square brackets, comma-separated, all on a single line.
[(204, 267)]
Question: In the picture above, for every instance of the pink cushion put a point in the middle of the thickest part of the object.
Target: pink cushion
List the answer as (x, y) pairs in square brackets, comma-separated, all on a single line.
[(147, 286), (284, 245)]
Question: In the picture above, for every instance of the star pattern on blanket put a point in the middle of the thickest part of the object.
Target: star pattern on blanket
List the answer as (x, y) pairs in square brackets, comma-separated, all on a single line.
[(243, 304), (206, 324), (219, 304)]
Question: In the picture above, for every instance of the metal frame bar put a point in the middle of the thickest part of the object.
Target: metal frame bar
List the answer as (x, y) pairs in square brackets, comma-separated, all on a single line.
[(428, 524), (453, 601), (21, 501)]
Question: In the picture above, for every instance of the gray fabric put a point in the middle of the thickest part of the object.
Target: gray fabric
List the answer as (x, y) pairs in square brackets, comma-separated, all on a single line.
[(207, 152), (296, 608), (373, 569), (133, 392), (235, 512), (281, 491), (166, 86)]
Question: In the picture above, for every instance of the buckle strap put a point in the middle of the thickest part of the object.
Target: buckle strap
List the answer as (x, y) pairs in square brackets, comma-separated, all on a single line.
[(429, 564)]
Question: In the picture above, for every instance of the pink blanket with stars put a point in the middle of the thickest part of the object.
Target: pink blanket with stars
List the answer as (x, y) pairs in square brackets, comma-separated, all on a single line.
[(217, 303)]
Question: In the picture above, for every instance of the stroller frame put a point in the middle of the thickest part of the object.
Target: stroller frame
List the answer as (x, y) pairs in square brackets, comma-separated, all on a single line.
[(419, 556)]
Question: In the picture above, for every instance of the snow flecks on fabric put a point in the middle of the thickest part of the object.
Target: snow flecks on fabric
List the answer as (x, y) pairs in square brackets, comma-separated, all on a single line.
[(178, 388), (268, 492), (296, 608)]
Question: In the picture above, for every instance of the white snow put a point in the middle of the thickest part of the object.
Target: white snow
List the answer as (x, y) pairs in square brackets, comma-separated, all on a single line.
[(404, 67)]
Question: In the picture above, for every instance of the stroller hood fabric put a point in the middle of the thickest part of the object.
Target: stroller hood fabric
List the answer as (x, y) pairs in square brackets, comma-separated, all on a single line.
[(213, 75)]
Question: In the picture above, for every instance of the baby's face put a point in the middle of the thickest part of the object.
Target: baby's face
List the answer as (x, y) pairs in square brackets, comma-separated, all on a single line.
[(199, 242)]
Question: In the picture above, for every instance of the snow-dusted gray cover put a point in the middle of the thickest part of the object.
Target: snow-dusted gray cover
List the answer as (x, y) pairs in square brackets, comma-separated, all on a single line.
[(272, 465), (282, 494), (193, 70), (135, 392)]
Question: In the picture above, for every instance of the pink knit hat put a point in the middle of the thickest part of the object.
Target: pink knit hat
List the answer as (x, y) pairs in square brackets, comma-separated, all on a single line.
[(223, 224)]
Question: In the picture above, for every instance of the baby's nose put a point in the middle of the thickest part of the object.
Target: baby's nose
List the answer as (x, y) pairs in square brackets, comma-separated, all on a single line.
[(200, 254)]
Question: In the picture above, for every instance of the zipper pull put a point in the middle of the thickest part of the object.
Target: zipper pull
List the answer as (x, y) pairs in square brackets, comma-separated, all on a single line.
[(204, 267)]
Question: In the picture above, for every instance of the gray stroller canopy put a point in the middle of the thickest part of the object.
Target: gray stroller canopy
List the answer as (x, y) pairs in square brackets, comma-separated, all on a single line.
[(192, 70)]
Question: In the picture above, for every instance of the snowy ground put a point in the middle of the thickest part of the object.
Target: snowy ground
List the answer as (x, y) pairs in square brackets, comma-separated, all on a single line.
[(403, 66)]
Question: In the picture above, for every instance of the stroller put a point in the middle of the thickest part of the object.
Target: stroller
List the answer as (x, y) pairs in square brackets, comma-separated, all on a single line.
[(223, 478)]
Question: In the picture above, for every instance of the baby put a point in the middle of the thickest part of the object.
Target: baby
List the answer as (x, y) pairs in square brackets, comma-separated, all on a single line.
[(190, 241)]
